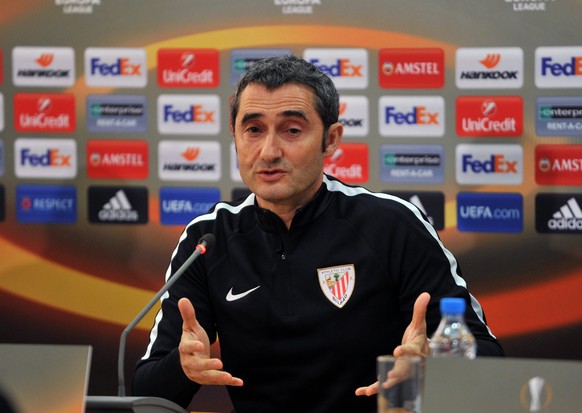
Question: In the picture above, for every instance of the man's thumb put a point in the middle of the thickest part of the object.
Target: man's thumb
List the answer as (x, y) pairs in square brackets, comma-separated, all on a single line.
[(186, 308)]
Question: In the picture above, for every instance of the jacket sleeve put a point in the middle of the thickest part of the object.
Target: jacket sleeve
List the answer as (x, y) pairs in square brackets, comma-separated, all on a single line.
[(423, 263)]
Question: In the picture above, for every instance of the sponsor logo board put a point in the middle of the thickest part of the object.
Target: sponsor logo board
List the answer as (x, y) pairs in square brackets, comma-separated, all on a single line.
[(422, 116), (411, 68), (46, 204), (489, 68), (189, 114), (115, 67), (490, 212), (116, 113), (44, 112), (117, 159), (559, 213), (558, 67), (489, 116), (558, 164), (430, 203), (118, 205), (184, 68), (489, 164), (559, 116), (412, 163), (349, 163), (348, 68), (45, 158), (353, 115), (178, 206), (242, 59), (189, 160), (43, 66)]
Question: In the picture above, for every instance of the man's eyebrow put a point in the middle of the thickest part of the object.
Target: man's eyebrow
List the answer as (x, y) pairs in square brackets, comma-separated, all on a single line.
[(249, 116), (295, 114)]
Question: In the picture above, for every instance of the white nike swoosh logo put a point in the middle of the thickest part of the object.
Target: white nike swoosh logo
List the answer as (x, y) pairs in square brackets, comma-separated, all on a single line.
[(233, 297)]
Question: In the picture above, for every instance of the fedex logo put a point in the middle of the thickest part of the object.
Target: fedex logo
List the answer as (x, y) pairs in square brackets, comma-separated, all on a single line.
[(489, 164), (412, 116), (45, 158), (124, 67), (188, 114), (188, 68), (558, 67), (347, 67)]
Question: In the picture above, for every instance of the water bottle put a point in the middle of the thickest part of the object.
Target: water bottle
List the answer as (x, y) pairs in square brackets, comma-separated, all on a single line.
[(453, 338)]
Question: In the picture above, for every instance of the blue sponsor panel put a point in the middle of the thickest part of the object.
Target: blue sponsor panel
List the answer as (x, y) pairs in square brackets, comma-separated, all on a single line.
[(490, 212), (412, 164), (559, 116), (178, 206), (116, 113), (2, 204), (46, 204), (242, 59)]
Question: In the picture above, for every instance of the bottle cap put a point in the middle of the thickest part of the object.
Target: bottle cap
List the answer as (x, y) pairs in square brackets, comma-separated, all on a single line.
[(452, 305)]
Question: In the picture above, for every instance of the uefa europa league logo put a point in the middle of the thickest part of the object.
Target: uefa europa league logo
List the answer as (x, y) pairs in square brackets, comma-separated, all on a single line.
[(536, 394)]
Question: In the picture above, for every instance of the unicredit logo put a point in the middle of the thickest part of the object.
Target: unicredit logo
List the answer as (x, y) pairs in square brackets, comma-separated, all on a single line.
[(489, 116), (188, 68), (44, 112), (349, 163)]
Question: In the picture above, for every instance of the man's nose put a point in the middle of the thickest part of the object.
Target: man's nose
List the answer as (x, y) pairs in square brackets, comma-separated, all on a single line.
[(271, 147)]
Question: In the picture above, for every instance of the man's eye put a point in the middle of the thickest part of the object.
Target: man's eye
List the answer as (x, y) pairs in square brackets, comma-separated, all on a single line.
[(294, 131), (253, 129)]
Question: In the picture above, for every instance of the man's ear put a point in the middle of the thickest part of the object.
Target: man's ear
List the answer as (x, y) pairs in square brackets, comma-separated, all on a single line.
[(333, 139)]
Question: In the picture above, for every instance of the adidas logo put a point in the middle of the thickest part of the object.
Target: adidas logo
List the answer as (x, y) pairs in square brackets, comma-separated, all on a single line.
[(118, 209), (569, 217), (415, 199)]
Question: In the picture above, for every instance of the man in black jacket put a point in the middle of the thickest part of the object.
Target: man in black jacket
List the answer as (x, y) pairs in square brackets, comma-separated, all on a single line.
[(310, 279)]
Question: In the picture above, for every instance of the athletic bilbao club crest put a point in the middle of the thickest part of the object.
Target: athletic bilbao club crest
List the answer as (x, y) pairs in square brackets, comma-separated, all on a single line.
[(337, 283)]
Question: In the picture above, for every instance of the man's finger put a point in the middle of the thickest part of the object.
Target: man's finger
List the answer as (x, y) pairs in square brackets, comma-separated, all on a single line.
[(419, 312), (188, 315)]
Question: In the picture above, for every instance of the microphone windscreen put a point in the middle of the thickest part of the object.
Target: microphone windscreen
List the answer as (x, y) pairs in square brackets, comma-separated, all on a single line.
[(208, 239)]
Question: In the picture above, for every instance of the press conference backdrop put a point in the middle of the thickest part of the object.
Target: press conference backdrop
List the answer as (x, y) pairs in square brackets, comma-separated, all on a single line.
[(114, 134)]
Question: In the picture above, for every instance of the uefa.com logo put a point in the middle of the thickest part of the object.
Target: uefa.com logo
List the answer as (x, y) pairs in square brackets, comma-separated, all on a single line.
[(489, 68)]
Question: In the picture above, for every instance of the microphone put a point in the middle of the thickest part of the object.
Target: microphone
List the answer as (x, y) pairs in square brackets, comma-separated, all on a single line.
[(136, 404)]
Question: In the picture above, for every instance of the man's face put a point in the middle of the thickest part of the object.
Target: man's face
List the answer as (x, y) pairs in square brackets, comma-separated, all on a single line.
[(278, 136)]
